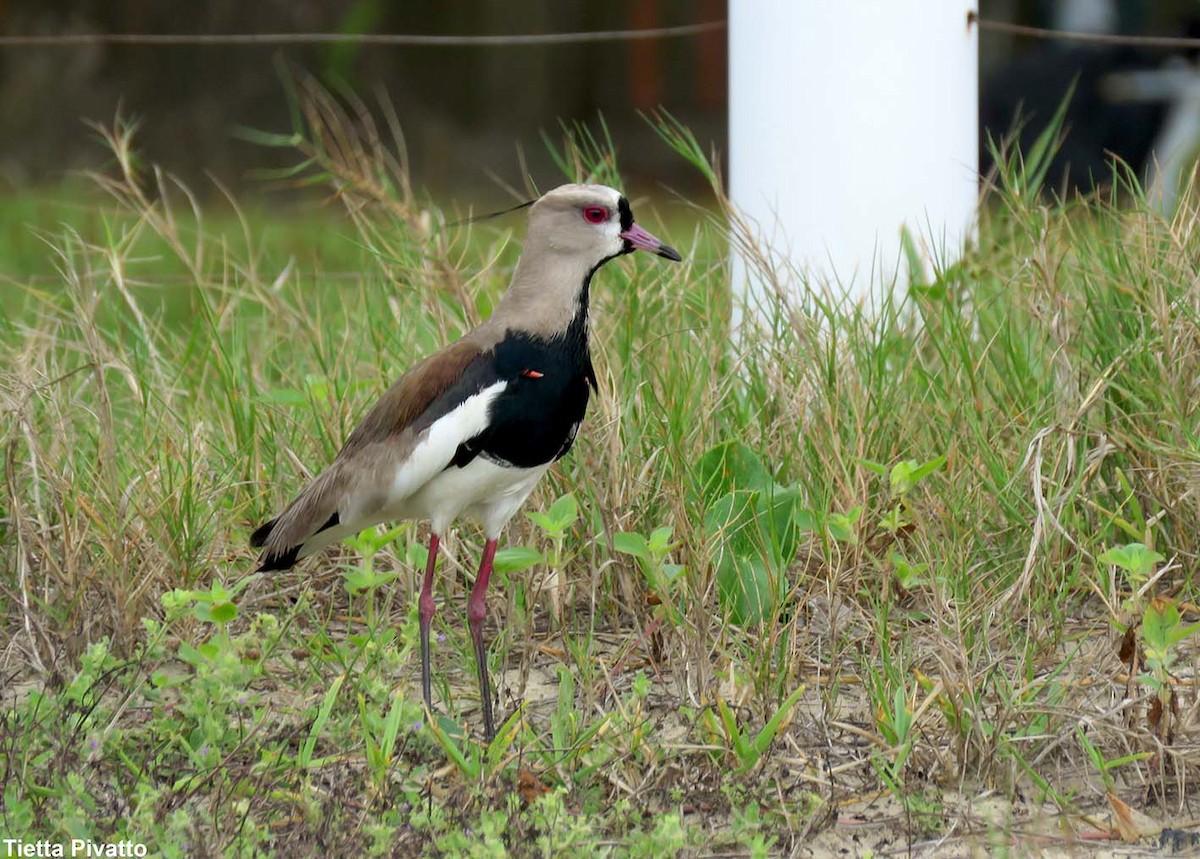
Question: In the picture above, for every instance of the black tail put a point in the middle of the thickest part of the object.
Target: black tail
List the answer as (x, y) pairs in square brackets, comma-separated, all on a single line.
[(272, 561), (276, 559), (261, 533), (283, 561)]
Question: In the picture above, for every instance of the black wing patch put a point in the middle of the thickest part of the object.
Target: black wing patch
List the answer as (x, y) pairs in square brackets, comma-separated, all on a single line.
[(466, 452)]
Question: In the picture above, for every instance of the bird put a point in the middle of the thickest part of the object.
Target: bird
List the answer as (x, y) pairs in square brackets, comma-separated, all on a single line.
[(471, 429)]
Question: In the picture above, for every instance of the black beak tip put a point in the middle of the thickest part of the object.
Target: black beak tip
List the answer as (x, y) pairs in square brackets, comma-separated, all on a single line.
[(669, 253)]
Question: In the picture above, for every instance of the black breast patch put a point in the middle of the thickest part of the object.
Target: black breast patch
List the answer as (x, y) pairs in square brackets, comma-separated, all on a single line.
[(535, 419)]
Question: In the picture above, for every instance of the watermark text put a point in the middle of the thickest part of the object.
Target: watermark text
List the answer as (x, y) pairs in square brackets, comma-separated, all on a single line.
[(17, 847)]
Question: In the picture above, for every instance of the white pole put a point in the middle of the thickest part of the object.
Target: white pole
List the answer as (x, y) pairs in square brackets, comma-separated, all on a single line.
[(846, 121)]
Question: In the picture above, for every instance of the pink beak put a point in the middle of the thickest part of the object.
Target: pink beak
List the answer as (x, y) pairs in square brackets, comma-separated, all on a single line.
[(638, 239)]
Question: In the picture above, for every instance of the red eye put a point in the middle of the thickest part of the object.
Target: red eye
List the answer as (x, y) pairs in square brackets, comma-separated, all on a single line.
[(595, 214)]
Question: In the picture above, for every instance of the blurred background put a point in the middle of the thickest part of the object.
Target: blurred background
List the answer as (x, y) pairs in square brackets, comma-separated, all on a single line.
[(475, 116)]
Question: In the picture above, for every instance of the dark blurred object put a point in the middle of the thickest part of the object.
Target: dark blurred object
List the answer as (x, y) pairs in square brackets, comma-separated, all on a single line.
[(1023, 80), (1097, 128)]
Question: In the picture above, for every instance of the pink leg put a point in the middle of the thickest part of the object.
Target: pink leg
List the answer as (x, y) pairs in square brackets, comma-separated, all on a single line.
[(426, 607), (476, 612)]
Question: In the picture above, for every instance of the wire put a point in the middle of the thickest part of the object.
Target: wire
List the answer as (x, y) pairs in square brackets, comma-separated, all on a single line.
[(394, 39), (1076, 36), (410, 40)]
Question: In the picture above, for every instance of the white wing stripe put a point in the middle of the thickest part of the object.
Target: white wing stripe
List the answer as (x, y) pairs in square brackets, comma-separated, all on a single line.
[(442, 439)]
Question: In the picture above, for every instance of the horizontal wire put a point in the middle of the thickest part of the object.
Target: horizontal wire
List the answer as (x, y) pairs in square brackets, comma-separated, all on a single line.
[(395, 39), (1078, 36), (68, 40)]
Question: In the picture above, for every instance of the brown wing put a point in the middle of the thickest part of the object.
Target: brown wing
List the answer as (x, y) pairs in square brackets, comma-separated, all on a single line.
[(411, 395), (378, 440)]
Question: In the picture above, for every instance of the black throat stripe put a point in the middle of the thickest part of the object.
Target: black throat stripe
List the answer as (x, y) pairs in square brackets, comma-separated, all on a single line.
[(625, 212)]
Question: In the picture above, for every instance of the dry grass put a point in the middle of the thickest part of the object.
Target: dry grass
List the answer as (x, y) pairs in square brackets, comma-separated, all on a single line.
[(955, 638)]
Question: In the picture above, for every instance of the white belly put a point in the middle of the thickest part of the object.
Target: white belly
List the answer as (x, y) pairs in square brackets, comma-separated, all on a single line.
[(483, 490)]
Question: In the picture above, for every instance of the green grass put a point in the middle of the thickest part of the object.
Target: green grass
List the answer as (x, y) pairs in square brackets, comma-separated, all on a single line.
[(841, 572)]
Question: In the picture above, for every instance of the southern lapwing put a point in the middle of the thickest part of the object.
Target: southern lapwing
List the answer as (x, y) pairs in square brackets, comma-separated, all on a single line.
[(471, 429)]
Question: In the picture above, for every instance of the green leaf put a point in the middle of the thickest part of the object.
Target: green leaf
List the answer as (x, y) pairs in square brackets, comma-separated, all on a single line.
[(562, 514), (905, 475), (516, 559), (876, 467), (1040, 155), (1094, 754), (727, 467), (746, 589), (177, 600), (391, 726), (1134, 558), (917, 276), (305, 755), (927, 468), (1158, 621), (223, 612), (564, 715), (416, 555), (366, 720), (894, 519), (299, 172), (370, 540), (671, 571), (358, 580), (779, 525), (842, 525), (363, 579), (730, 522), (1182, 633), (908, 575), (767, 735), (900, 478), (660, 540), (746, 569), (468, 763), (732, 732), (632, 544)]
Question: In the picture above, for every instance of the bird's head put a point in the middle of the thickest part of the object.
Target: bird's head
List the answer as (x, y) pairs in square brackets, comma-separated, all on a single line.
[(573, 230), (593, 223)]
